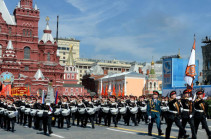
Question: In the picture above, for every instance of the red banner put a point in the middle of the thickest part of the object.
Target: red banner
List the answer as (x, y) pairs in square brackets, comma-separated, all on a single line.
[(19, 91)]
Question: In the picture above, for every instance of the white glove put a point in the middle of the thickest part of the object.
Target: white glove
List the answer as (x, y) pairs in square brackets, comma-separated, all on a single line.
[(49, 112), (178, 97), (190, 98), (191, 116), (205, 98), (149, 117)]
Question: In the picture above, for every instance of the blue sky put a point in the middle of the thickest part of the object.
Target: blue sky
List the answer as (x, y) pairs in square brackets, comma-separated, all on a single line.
[(131, 30)]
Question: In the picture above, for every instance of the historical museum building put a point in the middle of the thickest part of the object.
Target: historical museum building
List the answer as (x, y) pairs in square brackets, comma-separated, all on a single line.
[(33, 62)]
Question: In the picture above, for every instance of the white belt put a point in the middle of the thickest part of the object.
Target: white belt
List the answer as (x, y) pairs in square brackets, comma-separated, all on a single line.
[(186, 110), (175, 112), (199, 110), (45, 110)]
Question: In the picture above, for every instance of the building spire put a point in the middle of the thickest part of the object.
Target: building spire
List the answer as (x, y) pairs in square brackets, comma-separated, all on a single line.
[(47, 20), (70, 60), (152, 63), (10, 46), (35, 6)]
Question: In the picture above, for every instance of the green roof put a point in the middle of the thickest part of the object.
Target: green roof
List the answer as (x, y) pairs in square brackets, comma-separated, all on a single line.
[(152, 71)]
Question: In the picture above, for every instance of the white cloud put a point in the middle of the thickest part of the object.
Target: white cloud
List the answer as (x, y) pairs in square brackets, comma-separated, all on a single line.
[(136, 46)]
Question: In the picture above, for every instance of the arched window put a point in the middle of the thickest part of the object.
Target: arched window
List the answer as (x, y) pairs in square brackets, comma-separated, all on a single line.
[(26, 53), (150, 85), (24, 32), (73, 76), (30, 33), (48, 57), (68, 76), (27, 32), (10, 31), (155, 85)]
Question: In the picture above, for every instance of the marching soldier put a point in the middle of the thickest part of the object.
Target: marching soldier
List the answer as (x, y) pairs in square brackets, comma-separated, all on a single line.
[(142, 115), (89, 104), (21, 111), (65, 106), (187, 112), (11, 116), (201, 113), (81, 116), (96, 103), (131, 104), (112, 105), (173, 115), (47, 119), (153, 112), (72, 104), (103, 115)]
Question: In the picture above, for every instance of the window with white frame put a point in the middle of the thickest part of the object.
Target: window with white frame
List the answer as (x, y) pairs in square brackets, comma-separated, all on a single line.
[(71, 90), (66, 89), (68, 76), (73, 76)]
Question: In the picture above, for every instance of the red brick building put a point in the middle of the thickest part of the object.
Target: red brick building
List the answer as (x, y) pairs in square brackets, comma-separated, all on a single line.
[(33, 62)]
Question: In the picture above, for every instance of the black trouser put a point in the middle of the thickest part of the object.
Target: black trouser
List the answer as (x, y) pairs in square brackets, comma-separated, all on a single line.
[(203, 121), (73, 115), (100, 116), (162, 115), (5, 121), (169, 122), (81, 118), (1, 120), (29, 121), (18, 116), (40, 122), (21, 117), (118, 117), (105, 116), (67, 118), (110, 116), (47, 124), (12, 120), (96, 116), (60, 121), (191, 122), (25, 119), (91, 118), (36, 122), (139, 116), (133, 118), (127, 117)]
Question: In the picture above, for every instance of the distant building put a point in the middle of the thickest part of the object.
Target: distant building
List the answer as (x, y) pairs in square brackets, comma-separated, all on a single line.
[(131, 83), (206, 53), (108, 66), (64, 46)]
